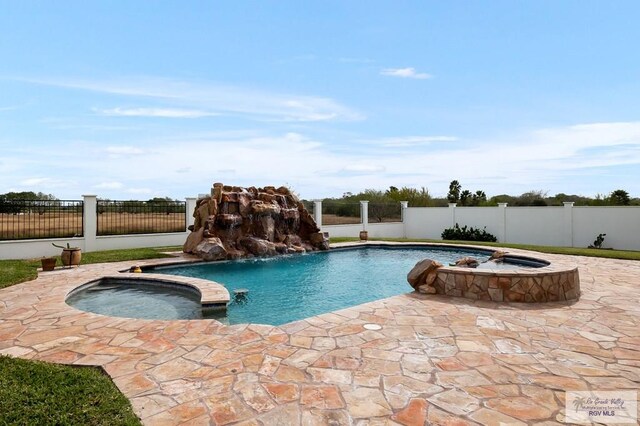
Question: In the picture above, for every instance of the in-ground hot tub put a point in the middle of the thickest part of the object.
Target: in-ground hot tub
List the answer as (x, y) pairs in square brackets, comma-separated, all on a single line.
[(539, 281), (150, 296)]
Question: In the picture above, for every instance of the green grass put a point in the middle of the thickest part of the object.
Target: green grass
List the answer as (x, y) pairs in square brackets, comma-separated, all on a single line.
[(17, 271), (573, 251), (128, 254), (38, 393)]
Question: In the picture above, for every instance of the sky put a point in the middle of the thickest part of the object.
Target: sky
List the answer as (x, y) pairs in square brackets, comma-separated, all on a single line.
[(138, 99)]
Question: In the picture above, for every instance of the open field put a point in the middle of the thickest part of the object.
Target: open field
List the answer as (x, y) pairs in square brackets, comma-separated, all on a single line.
[(140, 223), (69, 224), (332, 219)]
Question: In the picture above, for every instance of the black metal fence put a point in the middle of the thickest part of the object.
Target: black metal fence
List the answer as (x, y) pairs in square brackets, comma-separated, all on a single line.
[(340, 213), (385, 212), (32, 219), (140, 217)]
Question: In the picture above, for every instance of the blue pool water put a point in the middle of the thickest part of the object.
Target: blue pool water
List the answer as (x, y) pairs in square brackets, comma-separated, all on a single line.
[(289, 288)]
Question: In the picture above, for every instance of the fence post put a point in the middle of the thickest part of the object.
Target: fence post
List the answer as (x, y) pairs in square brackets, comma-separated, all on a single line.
[(90, 221), (404, 205), (364, 214), (502, 222), (190, 208), (452, 209), (568, 223), (317, 212)]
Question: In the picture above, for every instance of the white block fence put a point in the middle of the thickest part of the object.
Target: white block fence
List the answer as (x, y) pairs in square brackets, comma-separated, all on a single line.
[(567, 226)]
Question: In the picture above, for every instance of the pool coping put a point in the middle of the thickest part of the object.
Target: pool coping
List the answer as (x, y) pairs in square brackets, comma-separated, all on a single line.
[(213, 296)]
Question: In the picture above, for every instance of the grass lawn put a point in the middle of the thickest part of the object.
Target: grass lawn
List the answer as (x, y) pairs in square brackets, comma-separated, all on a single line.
[(38, 393), (612, 254), (17, 271)]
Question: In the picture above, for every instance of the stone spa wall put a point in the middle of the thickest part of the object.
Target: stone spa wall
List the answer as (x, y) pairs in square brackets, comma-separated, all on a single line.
[(552, 283)]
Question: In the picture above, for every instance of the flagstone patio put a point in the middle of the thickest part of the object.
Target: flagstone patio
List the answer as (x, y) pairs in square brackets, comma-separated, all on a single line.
[(435, 360)]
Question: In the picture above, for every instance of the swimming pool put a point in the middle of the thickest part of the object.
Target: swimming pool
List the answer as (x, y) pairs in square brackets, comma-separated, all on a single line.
[(288, 288)]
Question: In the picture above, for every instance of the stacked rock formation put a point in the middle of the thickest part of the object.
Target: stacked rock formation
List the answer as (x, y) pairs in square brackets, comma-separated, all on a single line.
[(237, 222)]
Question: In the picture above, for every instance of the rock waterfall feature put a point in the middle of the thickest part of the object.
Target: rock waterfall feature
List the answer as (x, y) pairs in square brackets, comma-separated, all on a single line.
[(235, 222)]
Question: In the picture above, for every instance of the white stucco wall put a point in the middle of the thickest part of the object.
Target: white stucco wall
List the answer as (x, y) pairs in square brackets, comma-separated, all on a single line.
[(621, 224), (427, 222), (535, 225), (478, 217)]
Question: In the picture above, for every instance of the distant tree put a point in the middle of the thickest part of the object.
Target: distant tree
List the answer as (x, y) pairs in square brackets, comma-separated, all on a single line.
[(476, 199), (454, 191), (502, 198), (531, 198), (465, 197), (619, 197), (14, 202), (415, 197)]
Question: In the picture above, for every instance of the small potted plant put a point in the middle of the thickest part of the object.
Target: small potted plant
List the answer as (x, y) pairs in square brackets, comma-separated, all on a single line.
[(48, 263), (70, 256)]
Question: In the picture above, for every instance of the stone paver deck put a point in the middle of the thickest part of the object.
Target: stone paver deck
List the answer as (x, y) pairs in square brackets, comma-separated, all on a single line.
[(436, 360)]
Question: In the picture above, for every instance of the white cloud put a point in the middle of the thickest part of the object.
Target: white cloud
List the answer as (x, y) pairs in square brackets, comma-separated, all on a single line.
[(109, 185), (123, 150), (140, 191), (409, 141), (156, 112), (43, 184), (35, 181), (408, 72), (560, 159), (364, 168), (250, 103)]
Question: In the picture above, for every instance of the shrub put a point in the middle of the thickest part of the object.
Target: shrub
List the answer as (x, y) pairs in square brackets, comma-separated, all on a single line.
[(467, 234)]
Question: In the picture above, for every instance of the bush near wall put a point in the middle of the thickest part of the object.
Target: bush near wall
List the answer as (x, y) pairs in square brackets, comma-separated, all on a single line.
[(467, 234)]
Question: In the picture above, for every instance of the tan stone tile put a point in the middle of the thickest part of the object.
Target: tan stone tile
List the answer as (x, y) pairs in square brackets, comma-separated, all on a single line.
[(227, 408), (254, 395), (455, 401), (366, 403), (282, 392), (414, 414), (474, 359), (450, 364), (303, 358), (325, 417), (134, 384), (286, 373), (436, 416), (146, 406), (321, 396), (490, 417), (323, 343), (520, 407), (461, 378), (173, 369), (283, 415)]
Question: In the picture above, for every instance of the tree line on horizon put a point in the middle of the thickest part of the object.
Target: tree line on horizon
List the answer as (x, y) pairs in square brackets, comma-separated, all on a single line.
[(29, 202), (478, 198), (418, 198)]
